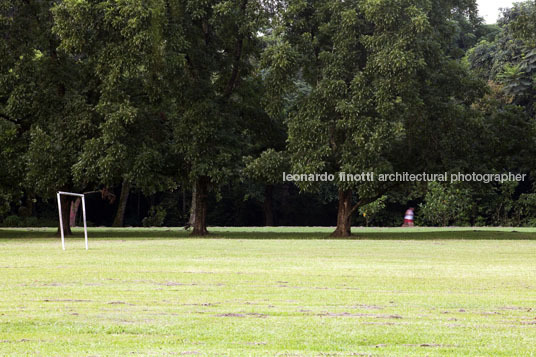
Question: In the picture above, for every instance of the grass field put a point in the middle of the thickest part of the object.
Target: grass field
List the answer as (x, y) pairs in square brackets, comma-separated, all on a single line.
[(286, 291)]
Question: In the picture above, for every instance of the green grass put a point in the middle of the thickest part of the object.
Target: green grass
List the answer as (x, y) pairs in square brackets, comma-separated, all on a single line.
[(258, 291)]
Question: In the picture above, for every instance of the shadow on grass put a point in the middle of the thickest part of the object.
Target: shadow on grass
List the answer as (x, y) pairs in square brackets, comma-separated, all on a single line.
[(222, 234)]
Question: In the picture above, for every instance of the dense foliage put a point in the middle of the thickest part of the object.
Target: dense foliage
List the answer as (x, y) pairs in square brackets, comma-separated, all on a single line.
[(186, 112)]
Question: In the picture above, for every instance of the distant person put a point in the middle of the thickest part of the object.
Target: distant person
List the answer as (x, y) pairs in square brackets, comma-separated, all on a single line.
[(408, 218)]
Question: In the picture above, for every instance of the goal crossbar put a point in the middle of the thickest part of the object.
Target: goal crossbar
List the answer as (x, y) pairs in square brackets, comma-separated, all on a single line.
[(81, 195)]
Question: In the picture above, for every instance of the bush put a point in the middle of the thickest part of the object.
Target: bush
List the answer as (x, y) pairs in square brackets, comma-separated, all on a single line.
[(156, 217), (445, 204), (12, 221), (18, 221), (371, 210)]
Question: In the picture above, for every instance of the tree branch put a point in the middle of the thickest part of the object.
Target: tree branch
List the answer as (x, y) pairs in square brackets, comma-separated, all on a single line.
[(3, 116), (363, 202), (236, 68), (237, 57), (368, 200), (192, 70)]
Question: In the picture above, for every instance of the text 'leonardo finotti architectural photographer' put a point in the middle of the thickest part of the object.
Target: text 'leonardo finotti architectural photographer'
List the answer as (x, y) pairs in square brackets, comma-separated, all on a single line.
[(405, 177)]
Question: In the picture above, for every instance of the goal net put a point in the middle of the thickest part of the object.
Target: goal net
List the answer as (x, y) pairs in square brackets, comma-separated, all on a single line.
[(61, 217)]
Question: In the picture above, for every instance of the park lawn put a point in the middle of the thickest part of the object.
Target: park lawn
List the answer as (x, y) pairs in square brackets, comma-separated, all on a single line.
[(257, 291)]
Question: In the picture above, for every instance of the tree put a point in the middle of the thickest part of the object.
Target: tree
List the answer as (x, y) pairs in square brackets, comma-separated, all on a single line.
[(372, 209), (267, 169), (373, 67), (510, 59), (520, 77), (445, 203), (11, 172), (523, 21), (180, 70), (45, 97), (10, 131), (211, 107), (267, 159), (17, 51), (121, 45)]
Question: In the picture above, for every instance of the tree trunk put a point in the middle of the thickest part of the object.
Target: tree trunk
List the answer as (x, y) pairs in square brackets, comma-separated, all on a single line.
[(199, 207), (29, 204), (183, 200), (344, 215), (120, 215), (193, 206), (267, 206), (74, 211), (139, 204), (65, 215)]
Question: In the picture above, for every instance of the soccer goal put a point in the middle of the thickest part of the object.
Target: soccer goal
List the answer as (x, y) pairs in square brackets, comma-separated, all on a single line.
[(61, 218)]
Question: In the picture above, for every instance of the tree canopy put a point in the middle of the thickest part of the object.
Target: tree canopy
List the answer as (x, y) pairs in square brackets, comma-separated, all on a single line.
[(198, 107)]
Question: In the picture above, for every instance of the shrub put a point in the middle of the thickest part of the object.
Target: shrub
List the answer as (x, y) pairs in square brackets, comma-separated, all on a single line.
[(12, 221), (445, 204), (371, 210), (156, 217)]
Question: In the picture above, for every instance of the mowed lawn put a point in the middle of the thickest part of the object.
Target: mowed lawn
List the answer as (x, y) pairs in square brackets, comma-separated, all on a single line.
[(274, 291)]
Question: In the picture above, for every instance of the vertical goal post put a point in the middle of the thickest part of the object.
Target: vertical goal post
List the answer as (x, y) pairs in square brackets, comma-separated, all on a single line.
[(81, 195)]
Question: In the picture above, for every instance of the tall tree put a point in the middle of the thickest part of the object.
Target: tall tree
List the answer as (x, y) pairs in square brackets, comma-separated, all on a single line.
[(11, 168), (17, 51), (510, 59), (266, 170), (45, 97), (372, 67), (182, 65), (121, 43), (212, 104)]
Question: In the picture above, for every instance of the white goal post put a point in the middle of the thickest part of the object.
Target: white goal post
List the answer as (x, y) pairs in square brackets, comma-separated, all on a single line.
[(81, 195)]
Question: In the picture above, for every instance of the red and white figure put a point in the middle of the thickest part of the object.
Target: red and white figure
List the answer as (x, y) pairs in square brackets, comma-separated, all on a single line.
[(408, 217)]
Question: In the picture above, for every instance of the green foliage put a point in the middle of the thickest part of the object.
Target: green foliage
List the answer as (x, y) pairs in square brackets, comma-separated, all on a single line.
[(18, 221), (514, 79), (502, 205), (445, 204), (506, 135), (214, 109), (12, 221), (163, 94), (44, 94), (376, 74), (510, 58), (526, 208), (156, 217), (523, 21), (121, 45), (370, 210), (505, 203), (54, 146), (11, 167), (267, 168), (175, 84)]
